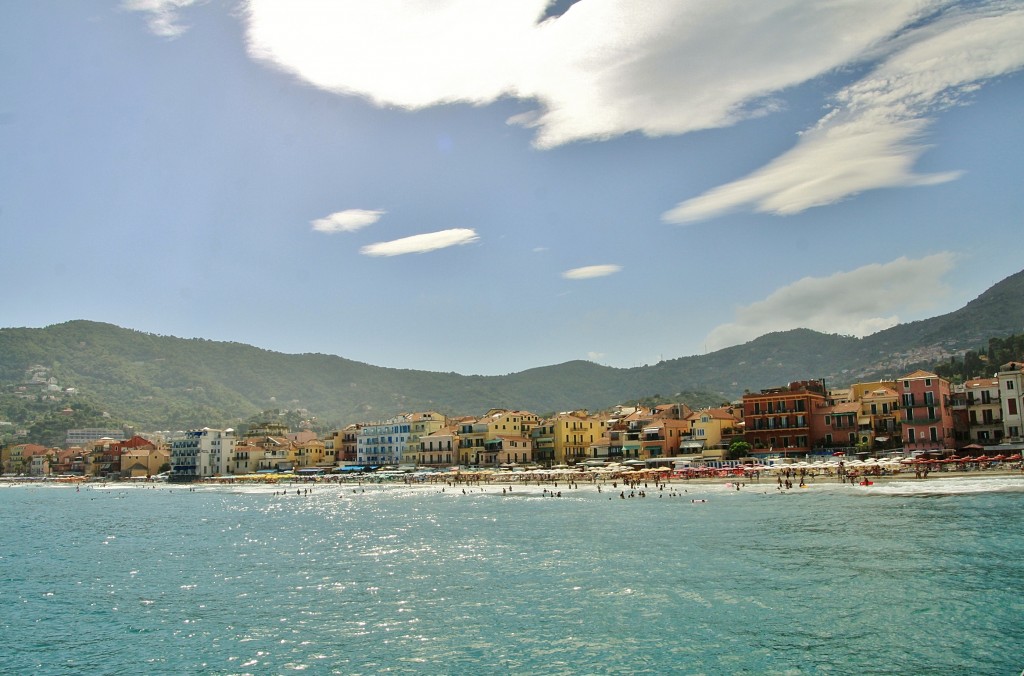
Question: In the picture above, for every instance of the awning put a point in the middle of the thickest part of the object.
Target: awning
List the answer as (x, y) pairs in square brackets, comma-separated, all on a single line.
[(349, 468)]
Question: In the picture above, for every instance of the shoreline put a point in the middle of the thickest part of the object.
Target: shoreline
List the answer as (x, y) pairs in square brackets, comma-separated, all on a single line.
[(482, 480)]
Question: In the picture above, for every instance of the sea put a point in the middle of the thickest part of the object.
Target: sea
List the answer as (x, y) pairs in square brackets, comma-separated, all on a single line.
[(903, 577)]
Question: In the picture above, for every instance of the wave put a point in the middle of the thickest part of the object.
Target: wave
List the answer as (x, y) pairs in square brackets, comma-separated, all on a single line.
[(949, 486)]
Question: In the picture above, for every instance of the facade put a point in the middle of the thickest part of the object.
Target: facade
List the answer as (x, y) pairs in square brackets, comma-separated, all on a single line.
[(835, 427), (663, 437), (878, 421), (439, 448), (202, 453), (82, 436), (983, 410), (16, 459), (383, 443), (421, 425), (344, 443), (712, 430), (506, 449), (311, 453), (926, 412), (572, 434), (777, 421), (1011, 394), (246, 458), (140, 457), (279, 454)]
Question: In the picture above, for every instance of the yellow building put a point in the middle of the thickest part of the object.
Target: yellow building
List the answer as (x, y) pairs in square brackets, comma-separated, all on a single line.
[(713, 429), (572, 434), (420, 425), (311, 453), (878, 421)]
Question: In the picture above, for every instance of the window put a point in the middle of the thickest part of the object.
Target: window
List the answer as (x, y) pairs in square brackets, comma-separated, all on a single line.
[(1011, 407), (927, 382), (933, 433), (911, 435), (1009, 384)]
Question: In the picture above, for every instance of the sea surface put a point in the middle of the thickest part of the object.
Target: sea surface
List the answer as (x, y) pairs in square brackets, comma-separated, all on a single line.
[(909, 577)]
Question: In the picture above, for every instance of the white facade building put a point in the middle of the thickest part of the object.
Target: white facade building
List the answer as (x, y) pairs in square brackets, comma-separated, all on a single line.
[(1011, 391), (383, 443), (203, 453)]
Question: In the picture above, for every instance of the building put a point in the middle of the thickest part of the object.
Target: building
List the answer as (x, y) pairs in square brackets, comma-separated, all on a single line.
[(878, 426), (311, 453), (983, 409), (82, 436), (570, 435), (711, 431), (140, 457), (439, 448), (203, 453), (835, 427), (383, 443), (777, 421), (16, 458), (926, 413), (1011, 394), (421, 425)]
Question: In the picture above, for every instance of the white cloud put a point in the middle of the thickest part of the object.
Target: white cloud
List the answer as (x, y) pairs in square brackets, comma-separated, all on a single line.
[(591, 271), (430, 241), (858, 303), (875, 134), (595, 356), (163, 14), (349, 220), (603, 68)]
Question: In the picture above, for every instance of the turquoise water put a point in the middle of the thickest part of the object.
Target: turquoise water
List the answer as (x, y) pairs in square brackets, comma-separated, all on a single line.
[(915, 578)]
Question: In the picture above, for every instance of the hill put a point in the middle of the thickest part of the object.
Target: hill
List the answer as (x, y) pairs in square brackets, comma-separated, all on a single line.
[(166, 382)]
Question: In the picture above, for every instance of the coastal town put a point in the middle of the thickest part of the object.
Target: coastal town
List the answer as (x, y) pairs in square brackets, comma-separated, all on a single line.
[(920, 415)]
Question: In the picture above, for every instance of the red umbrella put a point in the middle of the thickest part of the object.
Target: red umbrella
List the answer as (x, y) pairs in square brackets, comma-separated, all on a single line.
[(1014, 458), (1000, 457), (981, 458)]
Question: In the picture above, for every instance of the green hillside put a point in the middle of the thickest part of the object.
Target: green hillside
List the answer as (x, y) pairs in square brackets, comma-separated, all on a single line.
[(162, 382)]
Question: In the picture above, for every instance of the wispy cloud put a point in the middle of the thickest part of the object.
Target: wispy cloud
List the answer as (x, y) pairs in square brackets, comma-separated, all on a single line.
[(163, 14), (349, 220), (858, 303), (430, 241), (591, 271), (876, 132)]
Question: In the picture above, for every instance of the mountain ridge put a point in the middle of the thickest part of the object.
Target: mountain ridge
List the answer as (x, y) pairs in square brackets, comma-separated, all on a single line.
[(166, 381)]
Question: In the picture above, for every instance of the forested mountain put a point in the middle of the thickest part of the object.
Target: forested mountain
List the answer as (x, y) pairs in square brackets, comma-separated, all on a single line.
[(164, 382)]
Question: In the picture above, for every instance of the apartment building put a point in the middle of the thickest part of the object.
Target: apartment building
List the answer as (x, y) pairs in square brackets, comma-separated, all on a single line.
[(926, 414), (777, 421)]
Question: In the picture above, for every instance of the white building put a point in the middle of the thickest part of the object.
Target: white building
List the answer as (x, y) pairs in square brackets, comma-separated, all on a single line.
[(203, 453), (1011, 391), (383, 443)]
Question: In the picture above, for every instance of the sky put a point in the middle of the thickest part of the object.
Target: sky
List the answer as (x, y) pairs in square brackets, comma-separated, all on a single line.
[(488, 187)]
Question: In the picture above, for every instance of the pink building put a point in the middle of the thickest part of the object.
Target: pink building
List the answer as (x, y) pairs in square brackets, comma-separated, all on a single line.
[(925, 412)]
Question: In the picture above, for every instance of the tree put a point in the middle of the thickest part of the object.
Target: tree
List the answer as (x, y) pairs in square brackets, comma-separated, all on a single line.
[(738, 449)]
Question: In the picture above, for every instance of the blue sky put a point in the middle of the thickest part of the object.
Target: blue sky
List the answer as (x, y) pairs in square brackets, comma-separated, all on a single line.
[(491, 187)]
